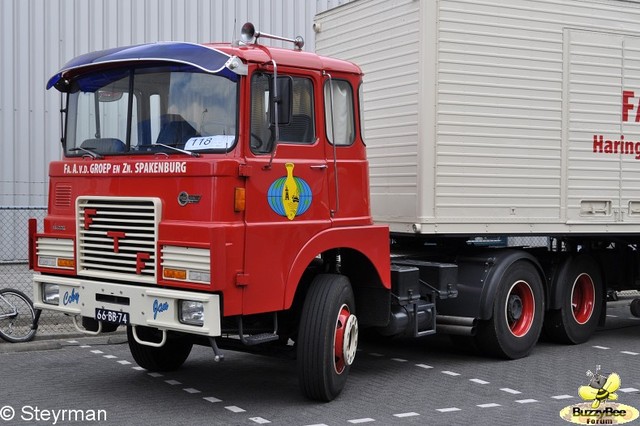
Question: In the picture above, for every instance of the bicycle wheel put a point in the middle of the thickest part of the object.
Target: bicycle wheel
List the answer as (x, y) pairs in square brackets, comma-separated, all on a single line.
[(17, 316)]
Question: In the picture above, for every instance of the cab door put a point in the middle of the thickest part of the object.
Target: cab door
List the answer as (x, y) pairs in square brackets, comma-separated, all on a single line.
[(348, 172), (286, 190)]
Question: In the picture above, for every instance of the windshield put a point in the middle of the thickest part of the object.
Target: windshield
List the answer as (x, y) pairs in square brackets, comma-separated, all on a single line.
[(145, 110)]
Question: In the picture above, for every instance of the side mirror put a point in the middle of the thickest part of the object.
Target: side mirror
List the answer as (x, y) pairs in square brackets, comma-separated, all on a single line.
[(283, 102)]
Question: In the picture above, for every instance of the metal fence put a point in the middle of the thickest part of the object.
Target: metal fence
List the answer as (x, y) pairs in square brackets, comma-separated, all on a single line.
[(14, 268)]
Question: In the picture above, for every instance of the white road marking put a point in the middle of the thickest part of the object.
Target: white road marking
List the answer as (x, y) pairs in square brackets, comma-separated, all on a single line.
[(398, 360), (375, 354), (234, 409), (172, 382), (97, 352), (125, 362), (155, 374), (628, 390), (511, 391), (403, 415), (562, 397), (629, 353), (490, 405), (526, 401), (425, 366), (212, 399), (138, 368), (478, 381), (601, 347), (110, 356), (448, 410), (359, 421), (259, 420), (191, 390), (450, 373)]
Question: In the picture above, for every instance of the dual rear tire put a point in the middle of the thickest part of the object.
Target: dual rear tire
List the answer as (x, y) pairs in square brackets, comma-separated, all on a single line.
[(518, 314), (581, 297)]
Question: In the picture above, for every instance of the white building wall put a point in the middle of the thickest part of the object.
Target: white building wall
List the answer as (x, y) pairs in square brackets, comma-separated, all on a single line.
[(38, 36)]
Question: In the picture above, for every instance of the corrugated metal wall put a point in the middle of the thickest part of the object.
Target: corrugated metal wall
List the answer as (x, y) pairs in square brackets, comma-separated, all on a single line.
[(38, 36)]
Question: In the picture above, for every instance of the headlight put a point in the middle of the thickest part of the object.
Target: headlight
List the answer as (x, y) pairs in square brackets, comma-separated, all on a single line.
[(192, 312), (51, 294)]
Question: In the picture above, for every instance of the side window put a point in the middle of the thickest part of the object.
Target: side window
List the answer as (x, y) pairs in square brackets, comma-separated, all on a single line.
[(339, 120), (299, 129)]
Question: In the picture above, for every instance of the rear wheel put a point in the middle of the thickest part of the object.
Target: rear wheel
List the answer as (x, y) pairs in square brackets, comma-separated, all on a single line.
[(168, 357), (518, 308), (581, 298), (328, 337)]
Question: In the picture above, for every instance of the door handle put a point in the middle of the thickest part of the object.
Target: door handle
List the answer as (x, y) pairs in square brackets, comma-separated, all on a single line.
[(318, 167)]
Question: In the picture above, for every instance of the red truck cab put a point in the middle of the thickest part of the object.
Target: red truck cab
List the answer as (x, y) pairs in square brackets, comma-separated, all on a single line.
[(215, 194)]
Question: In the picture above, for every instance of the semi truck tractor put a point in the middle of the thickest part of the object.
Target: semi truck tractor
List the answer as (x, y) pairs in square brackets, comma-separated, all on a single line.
[(225, 194)]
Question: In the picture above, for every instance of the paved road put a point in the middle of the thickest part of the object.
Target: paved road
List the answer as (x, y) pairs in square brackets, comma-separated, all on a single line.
[(428, 381)]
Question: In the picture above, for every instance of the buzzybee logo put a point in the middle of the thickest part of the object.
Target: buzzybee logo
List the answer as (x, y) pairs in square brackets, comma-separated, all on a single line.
[(600, 408)]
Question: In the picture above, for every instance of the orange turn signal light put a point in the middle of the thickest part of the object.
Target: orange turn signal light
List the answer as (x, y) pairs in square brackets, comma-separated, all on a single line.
[(174, 274), (239, 201), (66, 263)]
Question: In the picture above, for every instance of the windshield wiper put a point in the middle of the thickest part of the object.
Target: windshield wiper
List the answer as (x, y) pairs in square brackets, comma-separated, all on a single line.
[(91, 153), (192, 154)]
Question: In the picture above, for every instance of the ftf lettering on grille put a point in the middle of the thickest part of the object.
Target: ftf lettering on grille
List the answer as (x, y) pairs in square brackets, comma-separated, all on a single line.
[(146, 167)]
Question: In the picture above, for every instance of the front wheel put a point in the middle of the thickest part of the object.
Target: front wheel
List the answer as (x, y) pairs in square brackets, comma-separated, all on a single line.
[(517, 318), (17, 316), (327, 338), (581, 298), (168, 357)]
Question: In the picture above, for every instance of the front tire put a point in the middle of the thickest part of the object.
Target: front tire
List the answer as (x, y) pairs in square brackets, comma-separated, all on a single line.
[(517, 318), (168, 357), (327, 338), (581, 298)]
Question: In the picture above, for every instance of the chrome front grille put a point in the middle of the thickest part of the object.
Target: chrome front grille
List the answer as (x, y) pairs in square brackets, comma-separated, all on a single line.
[(117, 237)]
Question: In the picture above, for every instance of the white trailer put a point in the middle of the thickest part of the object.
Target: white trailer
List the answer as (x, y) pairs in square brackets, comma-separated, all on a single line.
[(489, 122), (497, 116)]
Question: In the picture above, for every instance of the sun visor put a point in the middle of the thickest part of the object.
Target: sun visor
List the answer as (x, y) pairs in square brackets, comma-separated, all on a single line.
[(178, 55)]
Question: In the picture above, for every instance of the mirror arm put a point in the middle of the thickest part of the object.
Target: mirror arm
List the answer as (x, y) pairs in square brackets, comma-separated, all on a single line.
[(63, 114)]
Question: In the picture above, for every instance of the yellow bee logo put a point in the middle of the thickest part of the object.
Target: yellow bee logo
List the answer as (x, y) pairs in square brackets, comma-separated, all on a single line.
[(600, 388)]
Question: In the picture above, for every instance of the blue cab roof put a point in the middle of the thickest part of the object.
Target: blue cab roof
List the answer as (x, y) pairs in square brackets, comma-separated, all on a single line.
[(178, 55)]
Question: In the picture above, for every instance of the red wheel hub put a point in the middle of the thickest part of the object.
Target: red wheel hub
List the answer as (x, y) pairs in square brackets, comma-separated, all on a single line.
[(583, 296), (346, 339), (520, 308)]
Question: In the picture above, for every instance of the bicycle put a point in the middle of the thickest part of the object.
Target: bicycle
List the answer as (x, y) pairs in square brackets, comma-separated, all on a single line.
[(18, 318)]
